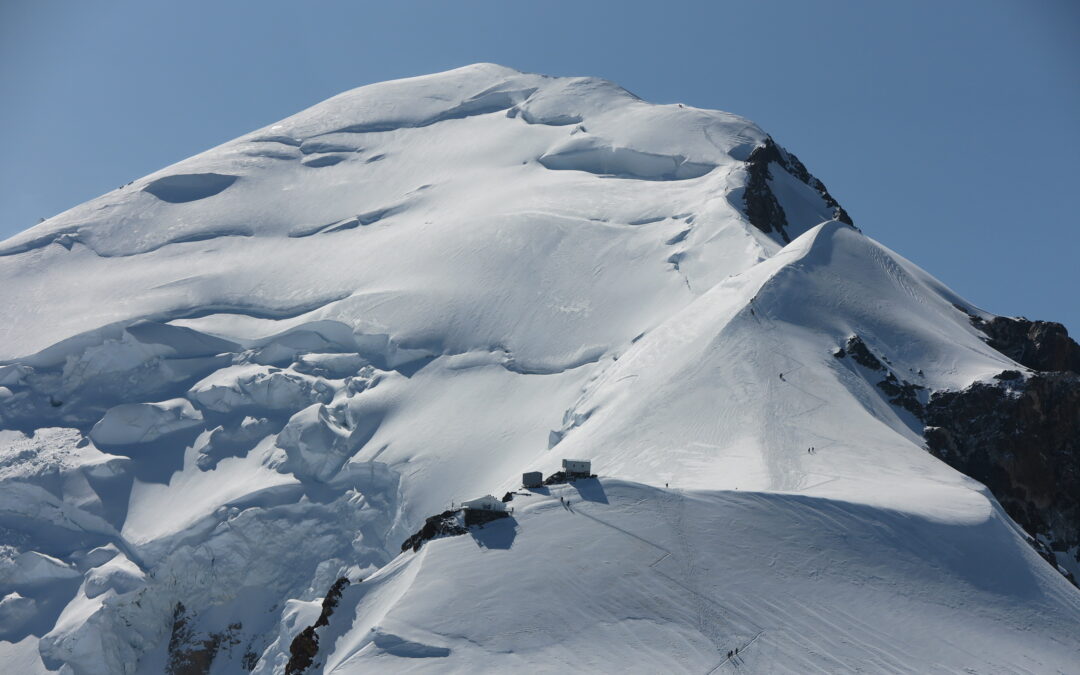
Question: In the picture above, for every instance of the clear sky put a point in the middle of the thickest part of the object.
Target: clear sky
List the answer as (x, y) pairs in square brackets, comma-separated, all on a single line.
[(949, 129)]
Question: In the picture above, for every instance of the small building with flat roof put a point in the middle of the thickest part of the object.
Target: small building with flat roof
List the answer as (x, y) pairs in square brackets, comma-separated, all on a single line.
[(485, 503), (577, 468)]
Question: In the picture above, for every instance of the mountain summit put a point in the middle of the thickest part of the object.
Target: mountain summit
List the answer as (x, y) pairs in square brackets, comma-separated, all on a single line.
[(242, 401)]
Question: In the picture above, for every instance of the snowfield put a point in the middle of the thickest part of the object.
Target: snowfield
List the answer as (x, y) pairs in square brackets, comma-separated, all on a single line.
[(231, 383)]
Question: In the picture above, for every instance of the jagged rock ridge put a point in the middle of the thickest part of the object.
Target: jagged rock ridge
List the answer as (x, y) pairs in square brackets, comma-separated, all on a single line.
[(763, 209)]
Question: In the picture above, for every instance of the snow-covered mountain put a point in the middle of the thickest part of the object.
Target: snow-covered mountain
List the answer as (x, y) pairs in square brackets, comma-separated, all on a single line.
[(232, 389)]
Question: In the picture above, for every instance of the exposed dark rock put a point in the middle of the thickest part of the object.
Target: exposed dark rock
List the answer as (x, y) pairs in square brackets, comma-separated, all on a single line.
[(898, 391), (1040, 345), (557, 478), (560, 478), (509, 496), (305, 646), (302, 651), (763, 209), (481, 517), (444, 524), (862, 354), (903, 394), (181, 635), (188, 655), (1020, 438)]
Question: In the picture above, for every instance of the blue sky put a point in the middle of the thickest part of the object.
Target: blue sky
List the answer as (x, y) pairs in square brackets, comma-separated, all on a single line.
[(949, 130)]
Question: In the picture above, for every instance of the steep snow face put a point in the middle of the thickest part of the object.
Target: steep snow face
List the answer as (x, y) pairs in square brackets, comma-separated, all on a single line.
[(741, 382), (250, 374)]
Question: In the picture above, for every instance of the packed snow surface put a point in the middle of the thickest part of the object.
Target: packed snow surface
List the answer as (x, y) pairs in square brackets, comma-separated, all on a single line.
[(237, 380)]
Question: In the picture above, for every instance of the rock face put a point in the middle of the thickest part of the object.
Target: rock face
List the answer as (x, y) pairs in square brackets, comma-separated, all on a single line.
[(445, 524), (451, 523), (897, 391), (1020, 435), (192, 654), (763, 209), (1021, 438), (305, 646), (1039, 345)]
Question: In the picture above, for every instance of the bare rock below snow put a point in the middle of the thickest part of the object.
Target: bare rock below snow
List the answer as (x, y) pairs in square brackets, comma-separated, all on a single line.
[(305, 646), (192, 654), (1039, 345), (450, 524), (1020, 438), (760, 201), (446, 524), (898, 391)]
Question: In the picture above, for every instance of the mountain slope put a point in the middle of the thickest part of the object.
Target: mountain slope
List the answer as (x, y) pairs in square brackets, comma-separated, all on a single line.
[(645, 579), (236, 381)]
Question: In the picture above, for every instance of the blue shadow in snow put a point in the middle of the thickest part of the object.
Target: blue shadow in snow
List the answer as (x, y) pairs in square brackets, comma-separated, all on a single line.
[(590, 490), (499, 534), (156, 461)]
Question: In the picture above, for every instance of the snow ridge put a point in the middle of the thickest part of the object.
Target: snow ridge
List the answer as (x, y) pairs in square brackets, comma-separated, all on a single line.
[(236, 382)]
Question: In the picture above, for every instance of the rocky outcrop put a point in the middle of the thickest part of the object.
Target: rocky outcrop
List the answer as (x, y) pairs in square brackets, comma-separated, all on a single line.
[(1021, 438), (445, 524), (479, 517), (191, 654), (1019, 434), (305, 646), (1039, 345), (450, 524), (898, 391), (763, 209)]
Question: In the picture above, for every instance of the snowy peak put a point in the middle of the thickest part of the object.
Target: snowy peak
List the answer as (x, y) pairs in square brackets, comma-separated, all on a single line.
[(609, 132), (403, 173), (232, 389)]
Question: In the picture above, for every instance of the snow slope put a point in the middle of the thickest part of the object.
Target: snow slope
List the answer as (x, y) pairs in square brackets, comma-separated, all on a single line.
[(643, 579), (232, 382)]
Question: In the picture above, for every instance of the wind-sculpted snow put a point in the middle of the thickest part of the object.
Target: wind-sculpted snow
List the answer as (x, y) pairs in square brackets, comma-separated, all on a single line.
[(189, 187), (595, 156), (144, 422), (231, 384)]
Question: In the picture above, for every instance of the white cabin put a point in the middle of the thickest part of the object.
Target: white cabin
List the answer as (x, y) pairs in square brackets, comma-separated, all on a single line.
[(577, 467), (485, 503)]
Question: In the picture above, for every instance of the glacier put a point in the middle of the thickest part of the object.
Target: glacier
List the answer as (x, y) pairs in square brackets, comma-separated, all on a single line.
[(232, 383)]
